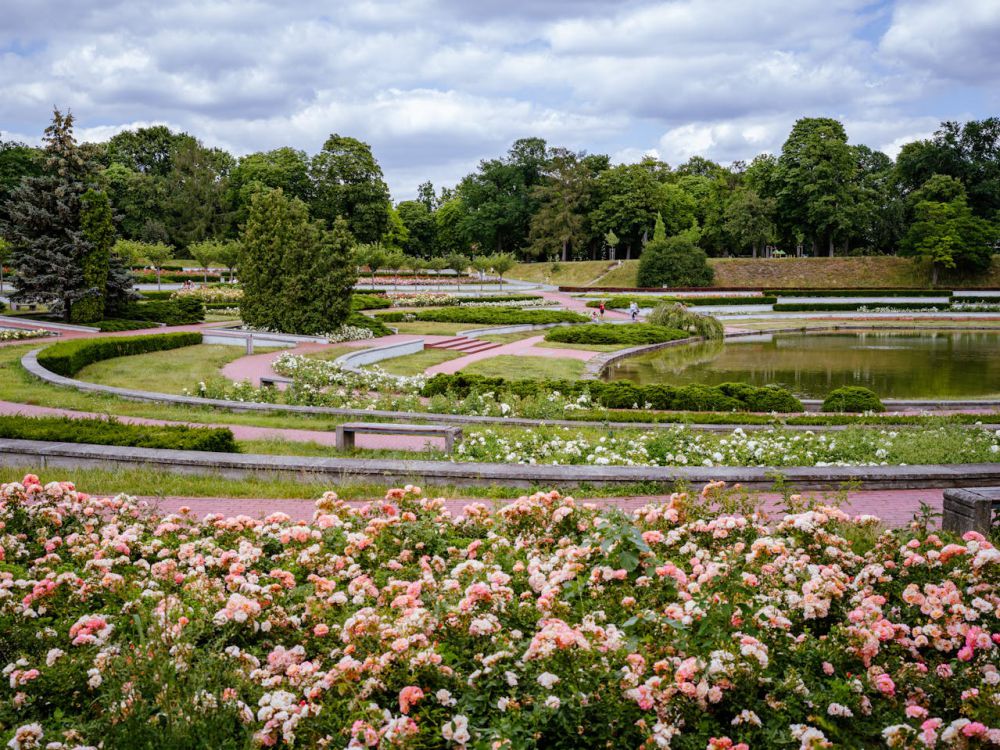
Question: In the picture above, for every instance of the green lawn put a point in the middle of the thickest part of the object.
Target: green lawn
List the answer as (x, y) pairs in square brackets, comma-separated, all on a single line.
[(576, 273), (430, 328), (415, 364), (583, 347), (336, 351), (508, 338), (166, 372), (520, 367)]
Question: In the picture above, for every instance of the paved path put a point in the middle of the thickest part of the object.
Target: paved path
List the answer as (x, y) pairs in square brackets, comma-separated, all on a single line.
[(578, 305), (895, 507)]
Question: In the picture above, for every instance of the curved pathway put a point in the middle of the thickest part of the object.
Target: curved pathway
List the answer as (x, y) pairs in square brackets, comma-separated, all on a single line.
[(522, 348)]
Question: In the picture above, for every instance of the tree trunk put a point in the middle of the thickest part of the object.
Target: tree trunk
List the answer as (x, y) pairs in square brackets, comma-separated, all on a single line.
[(565, 252), (934, 274), (158, 272), (830, 245), (755, 250)]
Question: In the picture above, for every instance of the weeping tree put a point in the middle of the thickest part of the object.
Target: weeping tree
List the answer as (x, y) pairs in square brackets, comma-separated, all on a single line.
[(674, 315)]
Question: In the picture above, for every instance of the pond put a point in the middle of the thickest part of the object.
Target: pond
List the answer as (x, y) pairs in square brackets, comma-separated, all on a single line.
[(893, 363)]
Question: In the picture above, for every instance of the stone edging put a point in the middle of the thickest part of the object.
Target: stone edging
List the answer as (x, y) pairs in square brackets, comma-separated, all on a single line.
[(44, 455), (353, 361)]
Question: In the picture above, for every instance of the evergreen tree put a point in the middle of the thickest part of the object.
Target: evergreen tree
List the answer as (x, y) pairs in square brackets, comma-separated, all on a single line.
[(99, 230), (297, 276), (45, 226)]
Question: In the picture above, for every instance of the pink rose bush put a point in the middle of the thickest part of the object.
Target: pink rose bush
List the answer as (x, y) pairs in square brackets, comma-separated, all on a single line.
[(542, 624)]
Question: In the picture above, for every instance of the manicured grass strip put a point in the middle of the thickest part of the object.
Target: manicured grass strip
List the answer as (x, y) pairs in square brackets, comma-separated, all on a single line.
[(526, 366), (852, 306), (111, 432), (487, 316), (415, 364), (69, 357), (621, 302)]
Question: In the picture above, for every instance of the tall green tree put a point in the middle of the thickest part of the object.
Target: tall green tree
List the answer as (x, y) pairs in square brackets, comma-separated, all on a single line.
[(149, 150), (196, 186), (558, 227), (817, 170), (420, 226), (99, 230), (629, 197), (347, 182), (45, 226), (297, 275), (17, 161), (945, 232), (749, 219), (285, 168)]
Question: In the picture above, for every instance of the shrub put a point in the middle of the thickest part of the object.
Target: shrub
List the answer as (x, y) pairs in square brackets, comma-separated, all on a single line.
[(369, 302), (634, 334), (172, 312), (624, 394), (377, 327), (621, 302), (674, 261), (852, 398), (857, 293), (488, 316), (112, 432), (69, 357), (679, 317), (111, 325), (158, 295), (850, 306)]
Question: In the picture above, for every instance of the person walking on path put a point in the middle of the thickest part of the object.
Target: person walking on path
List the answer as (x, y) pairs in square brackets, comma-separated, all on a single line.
[(601, 309), (633, 310)]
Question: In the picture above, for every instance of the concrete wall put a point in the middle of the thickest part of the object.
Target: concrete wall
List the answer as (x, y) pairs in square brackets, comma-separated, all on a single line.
[(355, 360)]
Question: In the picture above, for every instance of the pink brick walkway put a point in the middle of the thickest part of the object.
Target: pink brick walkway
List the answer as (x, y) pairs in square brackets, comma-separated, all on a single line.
[(894, 507), (523, 348)]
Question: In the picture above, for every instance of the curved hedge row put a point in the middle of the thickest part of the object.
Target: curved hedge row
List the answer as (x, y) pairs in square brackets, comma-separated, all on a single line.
[(624, 394), (632, 334), (487, 316), (112, 432), (69, 357), (851, 306), (620, 302)]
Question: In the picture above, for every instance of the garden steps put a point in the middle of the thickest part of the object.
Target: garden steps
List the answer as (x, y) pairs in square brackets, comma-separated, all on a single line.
[(464, 344)]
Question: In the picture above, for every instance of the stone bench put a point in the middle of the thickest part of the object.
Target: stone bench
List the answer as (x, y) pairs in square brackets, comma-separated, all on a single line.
[(347, 431), (970, 509), (270, 381)]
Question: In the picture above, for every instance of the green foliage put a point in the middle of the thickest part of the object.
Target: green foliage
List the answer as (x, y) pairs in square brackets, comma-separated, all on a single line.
[(111, 325), (488, 315), (679, 317), (377, 327), (297, 276), (623, 394), (99, 230), (112, 432), (69, 357), (369, 302), (674, 262), (179, 311), (348, 183), (852, 398), (205, 253), (848, 306), (858, 292), (630, 333), (622, 301)]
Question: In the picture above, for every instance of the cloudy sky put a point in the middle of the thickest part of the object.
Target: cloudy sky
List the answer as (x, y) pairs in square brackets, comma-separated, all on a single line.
[(437, 85)]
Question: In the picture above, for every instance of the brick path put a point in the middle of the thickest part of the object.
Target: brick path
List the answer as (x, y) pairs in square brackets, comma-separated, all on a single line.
[(894, 507)]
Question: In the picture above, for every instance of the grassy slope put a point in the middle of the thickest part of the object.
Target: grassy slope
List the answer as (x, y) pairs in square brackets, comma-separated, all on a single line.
[(415, 364), (577, 273), (778, 273)]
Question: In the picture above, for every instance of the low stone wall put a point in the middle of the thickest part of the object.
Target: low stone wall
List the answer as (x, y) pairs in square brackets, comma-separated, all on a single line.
[(353, 361), (969, 510), (38, 455)]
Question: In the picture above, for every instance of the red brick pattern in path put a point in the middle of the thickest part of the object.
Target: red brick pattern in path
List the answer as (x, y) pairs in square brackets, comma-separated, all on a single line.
[(895, 507)]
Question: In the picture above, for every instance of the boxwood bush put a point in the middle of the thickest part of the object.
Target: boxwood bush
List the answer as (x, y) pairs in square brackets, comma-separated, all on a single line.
[(110, 325), (624, 394), (112, 432), (69, 357), (369, 302), (487, 316), (852, 398), (173, 312), (630, 334)]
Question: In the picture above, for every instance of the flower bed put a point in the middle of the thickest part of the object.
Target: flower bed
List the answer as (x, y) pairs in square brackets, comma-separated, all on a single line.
[(545, 624), (210, 294), (487, 316), (396, 281), (19, 334), (437, 299)]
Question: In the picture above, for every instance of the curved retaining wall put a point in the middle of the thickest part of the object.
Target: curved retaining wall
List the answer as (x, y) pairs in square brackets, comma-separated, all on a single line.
[(30, 363), (36, 454), (353, 361)]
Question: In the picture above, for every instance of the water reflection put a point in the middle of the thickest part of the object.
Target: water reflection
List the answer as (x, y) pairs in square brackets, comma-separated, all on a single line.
[(901, 364)]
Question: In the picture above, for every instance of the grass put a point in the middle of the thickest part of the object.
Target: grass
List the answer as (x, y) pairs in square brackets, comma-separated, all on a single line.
[(576, 273), (415, 364), (430, 328), (583, 347), (337, 351), (151, 483), (524, 367), (508, 338), (870, 272), (165, 372)]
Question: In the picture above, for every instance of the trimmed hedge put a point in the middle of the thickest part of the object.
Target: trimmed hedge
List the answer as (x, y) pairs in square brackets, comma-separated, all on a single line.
[(850, 306), (69, 357), (369, 302), (852, 398), (118, 324), (973, 299), (622, 302), (633, 333), (487, 316), (624, 394), (858, 293), (112, 432), (163, 294), (377, 327), (173, 312)]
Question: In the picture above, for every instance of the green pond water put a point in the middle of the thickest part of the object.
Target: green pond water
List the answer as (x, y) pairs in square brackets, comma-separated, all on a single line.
[(894, 364)]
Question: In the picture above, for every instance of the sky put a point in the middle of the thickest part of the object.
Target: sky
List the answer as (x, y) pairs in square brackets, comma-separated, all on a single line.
[(437, 85)]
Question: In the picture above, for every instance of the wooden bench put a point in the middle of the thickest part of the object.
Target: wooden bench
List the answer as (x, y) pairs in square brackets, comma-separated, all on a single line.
[(347, 431), (270, 381)]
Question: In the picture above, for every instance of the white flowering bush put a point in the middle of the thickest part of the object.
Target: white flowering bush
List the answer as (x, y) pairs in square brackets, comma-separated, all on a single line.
[(543, 624), (208, 294), (19, 334)]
